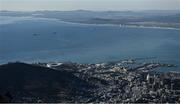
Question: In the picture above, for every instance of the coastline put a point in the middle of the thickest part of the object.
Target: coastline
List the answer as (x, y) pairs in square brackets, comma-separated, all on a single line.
[(93, 24), (127, 26), (129, 64)]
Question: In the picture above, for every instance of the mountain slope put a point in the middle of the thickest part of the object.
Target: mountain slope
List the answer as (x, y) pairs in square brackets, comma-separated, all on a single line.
[(30, 83)]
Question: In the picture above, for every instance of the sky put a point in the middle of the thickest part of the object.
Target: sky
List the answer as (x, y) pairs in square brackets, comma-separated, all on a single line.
[(95, 5)]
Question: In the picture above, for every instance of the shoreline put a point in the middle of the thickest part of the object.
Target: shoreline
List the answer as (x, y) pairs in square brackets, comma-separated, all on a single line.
[(129, 64), (121, 26), (94, 24)]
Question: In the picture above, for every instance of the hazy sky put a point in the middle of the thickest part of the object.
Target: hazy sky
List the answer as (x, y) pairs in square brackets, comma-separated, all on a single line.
[(101, 5)]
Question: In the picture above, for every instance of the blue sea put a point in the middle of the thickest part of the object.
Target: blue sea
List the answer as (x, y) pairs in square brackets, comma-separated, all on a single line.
[(30, 39)]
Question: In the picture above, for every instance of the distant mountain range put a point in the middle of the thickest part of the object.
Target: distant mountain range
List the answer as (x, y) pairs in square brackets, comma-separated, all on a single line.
[(151, 18)]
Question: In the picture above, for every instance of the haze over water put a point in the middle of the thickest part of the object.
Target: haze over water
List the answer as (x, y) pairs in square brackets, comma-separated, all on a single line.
[(36, 39)]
